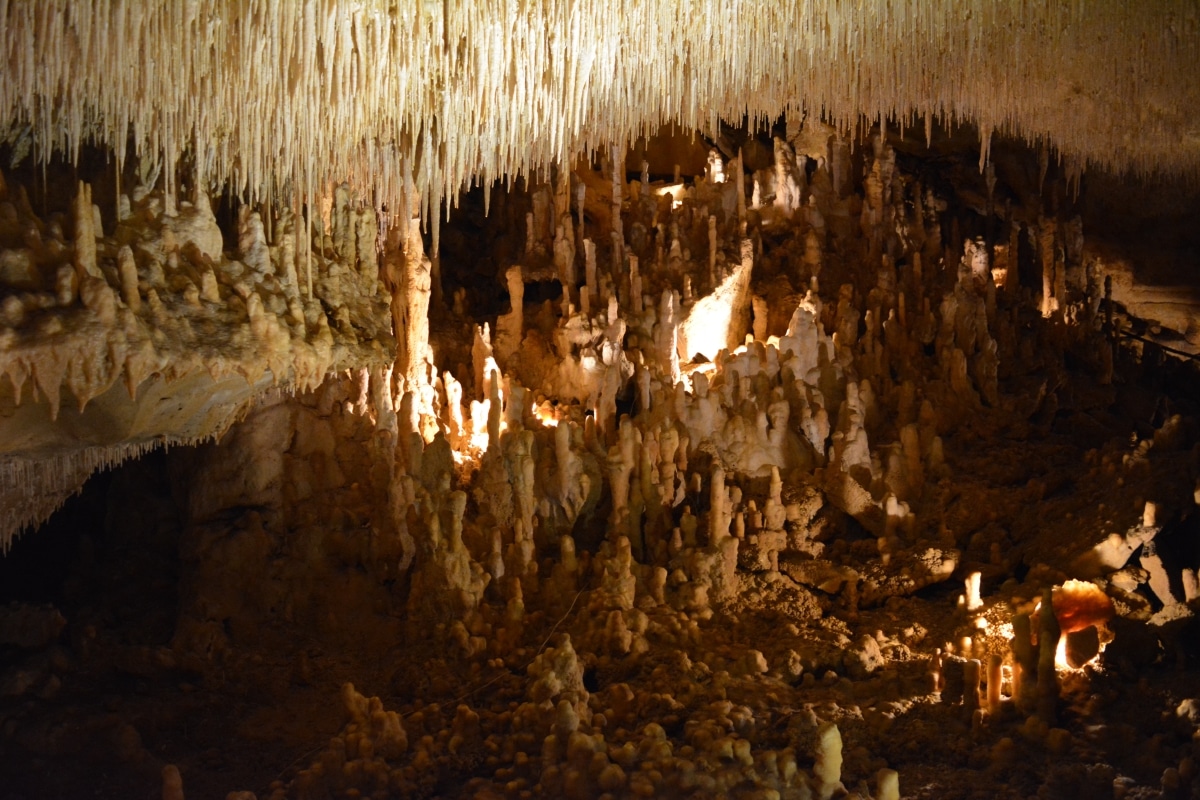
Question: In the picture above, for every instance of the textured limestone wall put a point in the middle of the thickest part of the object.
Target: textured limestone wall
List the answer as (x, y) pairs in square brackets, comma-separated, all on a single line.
[(115, 342)]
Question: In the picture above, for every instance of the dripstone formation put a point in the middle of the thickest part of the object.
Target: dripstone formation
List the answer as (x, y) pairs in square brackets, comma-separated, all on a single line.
[(442, 427)]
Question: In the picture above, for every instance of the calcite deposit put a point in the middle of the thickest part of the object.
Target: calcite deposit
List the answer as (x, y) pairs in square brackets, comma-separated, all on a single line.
[(114, 344), (575, 402)]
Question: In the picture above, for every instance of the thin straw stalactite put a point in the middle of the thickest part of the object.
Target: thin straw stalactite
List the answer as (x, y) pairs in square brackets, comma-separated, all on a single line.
[(281, 99)]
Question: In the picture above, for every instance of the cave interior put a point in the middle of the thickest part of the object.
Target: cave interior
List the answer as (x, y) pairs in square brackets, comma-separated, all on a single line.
[(467, 400)]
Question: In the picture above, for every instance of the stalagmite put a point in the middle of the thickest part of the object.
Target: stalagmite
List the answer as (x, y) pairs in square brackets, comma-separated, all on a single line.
[(971, 675), (129, 279), (995, 664), (1025, 670), (85, 234), (510, 326), (828, 767), (739, 182), (712, 250), (410, 310), (887, 785), (589, 255), (973, 601), (366, 236), (252, 242), (172, 783), (1047, 671), (617, 157)]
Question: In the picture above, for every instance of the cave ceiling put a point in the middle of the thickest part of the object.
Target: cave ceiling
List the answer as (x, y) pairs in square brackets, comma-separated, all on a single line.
[(282, 99)]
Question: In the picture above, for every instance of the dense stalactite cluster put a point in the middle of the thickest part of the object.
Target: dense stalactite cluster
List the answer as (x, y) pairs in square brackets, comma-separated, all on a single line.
[(284, 99)]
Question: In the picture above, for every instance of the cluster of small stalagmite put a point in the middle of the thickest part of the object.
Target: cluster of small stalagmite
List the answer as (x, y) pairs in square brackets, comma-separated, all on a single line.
[(699, 555), (157, 335)]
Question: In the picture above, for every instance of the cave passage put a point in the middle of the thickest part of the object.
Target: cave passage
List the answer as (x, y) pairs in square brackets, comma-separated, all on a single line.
[(583, 405)]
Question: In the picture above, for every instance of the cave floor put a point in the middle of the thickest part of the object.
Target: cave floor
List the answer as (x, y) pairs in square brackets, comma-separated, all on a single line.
[(110, 706)]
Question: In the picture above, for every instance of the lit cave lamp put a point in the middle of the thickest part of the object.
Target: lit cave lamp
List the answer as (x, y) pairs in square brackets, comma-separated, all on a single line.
[(1082, 610)]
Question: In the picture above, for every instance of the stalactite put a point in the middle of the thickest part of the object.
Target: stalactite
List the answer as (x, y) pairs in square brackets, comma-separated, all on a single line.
[(353, 109)]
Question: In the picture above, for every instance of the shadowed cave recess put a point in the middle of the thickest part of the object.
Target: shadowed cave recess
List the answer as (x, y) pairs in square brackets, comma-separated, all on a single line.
[(832, 432)]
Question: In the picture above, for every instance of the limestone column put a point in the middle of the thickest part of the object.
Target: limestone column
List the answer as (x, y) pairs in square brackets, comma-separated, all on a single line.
[(411, 278)]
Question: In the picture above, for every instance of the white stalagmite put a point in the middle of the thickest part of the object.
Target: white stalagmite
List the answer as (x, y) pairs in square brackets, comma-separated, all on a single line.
[(589, 255), (252, 241), (887, 783), (410, 308), (85, 234), (510, 326), (366, 236), (827, 768), (712, 250), (127, 270), (618, 183)]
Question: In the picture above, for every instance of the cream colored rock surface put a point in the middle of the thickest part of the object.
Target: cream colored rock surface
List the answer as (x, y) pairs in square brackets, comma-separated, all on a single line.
[(94, 380)]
